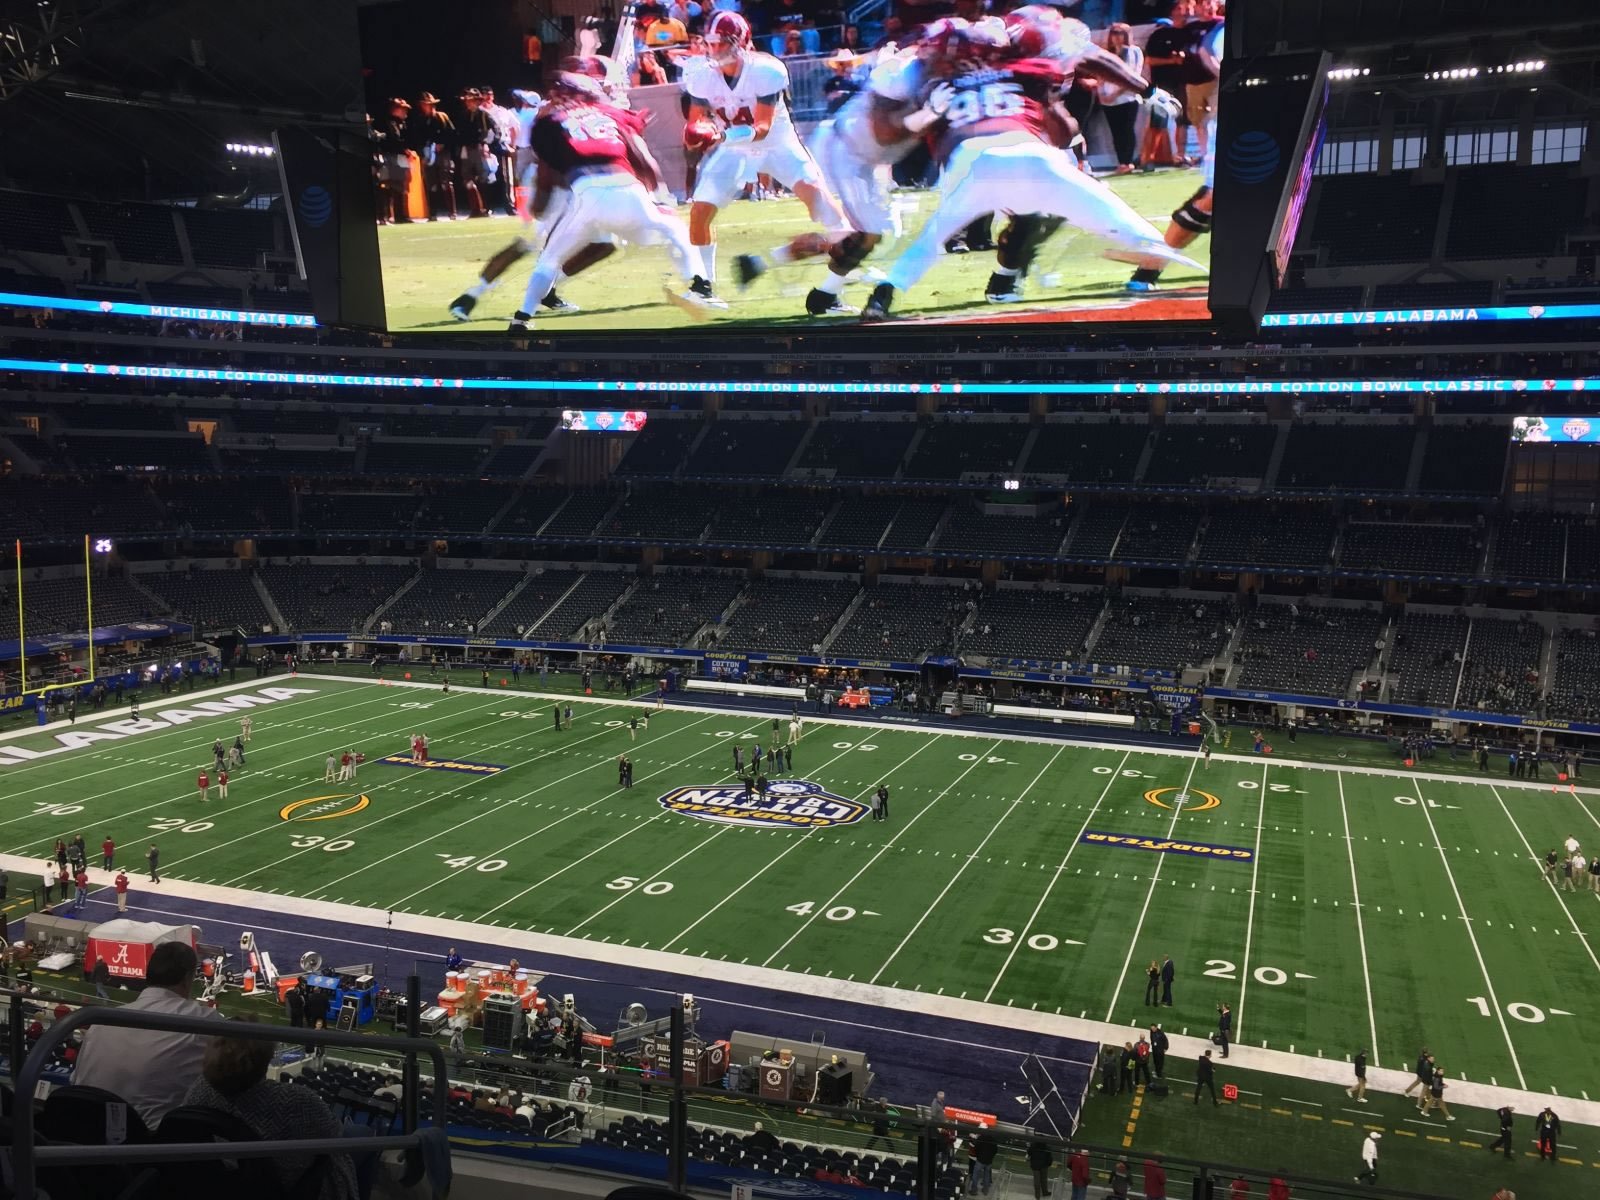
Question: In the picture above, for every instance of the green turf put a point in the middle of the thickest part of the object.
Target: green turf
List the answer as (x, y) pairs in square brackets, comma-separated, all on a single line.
[(1313, 1129), (977, 887), (425, 265)]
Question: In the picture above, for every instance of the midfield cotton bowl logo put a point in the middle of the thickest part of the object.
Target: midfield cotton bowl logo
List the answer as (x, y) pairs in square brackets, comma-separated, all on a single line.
[(791, 803)]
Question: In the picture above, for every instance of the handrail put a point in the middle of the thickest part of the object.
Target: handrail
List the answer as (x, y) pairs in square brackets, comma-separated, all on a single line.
[(27, 1157)]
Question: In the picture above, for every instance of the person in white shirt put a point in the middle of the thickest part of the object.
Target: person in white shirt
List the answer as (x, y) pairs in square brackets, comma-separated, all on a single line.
[(151, 1070), (1369, 1160), (1120, 106), (737, 108), (505, 124)]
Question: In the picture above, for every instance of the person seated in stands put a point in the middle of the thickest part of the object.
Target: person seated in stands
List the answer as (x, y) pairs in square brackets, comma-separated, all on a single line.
[(151, 1070), (234, 1081), (762, 1140)]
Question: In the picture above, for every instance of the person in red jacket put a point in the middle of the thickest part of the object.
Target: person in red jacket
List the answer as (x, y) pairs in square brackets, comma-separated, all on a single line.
[(1078, 1166), (122, 891), (1155, 1179), (204, 784), (1238, 1190), (1278, 1188)]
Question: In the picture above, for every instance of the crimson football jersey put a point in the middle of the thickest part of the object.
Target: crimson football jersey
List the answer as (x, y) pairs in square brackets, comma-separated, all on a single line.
[(584, 135), (1012, 97)]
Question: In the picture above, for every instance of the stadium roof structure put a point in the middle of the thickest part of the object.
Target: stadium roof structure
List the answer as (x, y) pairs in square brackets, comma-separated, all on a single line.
[(136, 98)]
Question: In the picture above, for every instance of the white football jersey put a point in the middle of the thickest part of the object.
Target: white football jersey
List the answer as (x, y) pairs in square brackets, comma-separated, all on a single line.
[(898, 77), (734, 100)]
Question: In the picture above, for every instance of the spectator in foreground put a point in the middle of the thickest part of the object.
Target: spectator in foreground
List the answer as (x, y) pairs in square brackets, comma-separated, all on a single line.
[(151, 1070), (234, 1081)]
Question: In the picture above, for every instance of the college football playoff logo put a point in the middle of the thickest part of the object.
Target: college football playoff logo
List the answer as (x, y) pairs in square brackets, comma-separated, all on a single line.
[(792, 803)]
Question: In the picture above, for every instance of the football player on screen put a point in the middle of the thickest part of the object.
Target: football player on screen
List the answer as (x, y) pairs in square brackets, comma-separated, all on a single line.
[(856, 147), (997, 125), (605, 72), (1193, 217), (1036, 30), (597, 152), (738, 110)]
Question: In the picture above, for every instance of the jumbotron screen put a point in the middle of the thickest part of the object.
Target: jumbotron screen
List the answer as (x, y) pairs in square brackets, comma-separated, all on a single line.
[(759, 169)]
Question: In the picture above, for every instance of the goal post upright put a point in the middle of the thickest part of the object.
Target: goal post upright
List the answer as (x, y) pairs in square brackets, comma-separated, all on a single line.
[(22, 633), (88, 601)]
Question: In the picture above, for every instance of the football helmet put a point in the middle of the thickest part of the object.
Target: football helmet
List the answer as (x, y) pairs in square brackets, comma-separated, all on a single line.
[(611, 78), (951, 46), (574, 87), (727, 37)]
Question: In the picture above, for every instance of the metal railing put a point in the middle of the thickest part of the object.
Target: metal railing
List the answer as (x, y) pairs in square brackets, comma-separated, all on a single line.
[(28, 1157)]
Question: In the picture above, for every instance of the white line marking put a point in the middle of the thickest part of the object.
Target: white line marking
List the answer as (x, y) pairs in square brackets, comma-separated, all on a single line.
[(993, 829), (1361, 933), (795, 845), (471, 779), (1539, 866), (1250, 920), (1466, 921), (1177, 811), (1027, 930), (767, 962)]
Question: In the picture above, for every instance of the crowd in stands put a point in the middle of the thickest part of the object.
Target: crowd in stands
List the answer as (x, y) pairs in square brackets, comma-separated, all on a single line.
[(1306, 649)]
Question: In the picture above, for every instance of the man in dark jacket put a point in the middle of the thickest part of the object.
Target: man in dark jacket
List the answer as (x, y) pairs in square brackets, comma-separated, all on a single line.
[(1503, 1142), (1129, 1063), (1548, 1126), (1158, 1050), (433, 136), (1039, 1162), (294, 1001), (984, 1149), (1205, 1076)]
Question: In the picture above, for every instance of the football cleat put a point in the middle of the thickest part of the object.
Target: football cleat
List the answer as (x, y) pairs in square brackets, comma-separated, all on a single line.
[(555, 303), (879, 303), (461, 307), (521, 322), (956, 245), (1003, 289), (705, 294), (825, 304), (749, 268), (1144, 280), (697, 300)]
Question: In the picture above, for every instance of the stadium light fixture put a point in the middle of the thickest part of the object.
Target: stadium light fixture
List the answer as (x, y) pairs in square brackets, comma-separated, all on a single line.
[(1342, 73), (250, 149)]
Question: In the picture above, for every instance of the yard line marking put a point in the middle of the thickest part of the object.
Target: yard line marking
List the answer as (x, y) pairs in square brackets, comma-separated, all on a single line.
[(1177, 811), (532, 732), (653, 877), (188, 792), (638, 889), (1250, 921), (1586, 811), (1027, 929), (568, 866), (125, 713), (993, 829), (798, 842), (1361, 933), (882, 850), (300, 785), (1488, 983), (1539, 864), (432, 837)]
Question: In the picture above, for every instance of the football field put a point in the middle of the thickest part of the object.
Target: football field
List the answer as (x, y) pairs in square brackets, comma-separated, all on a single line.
[(1334, 909), (426, 265)]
